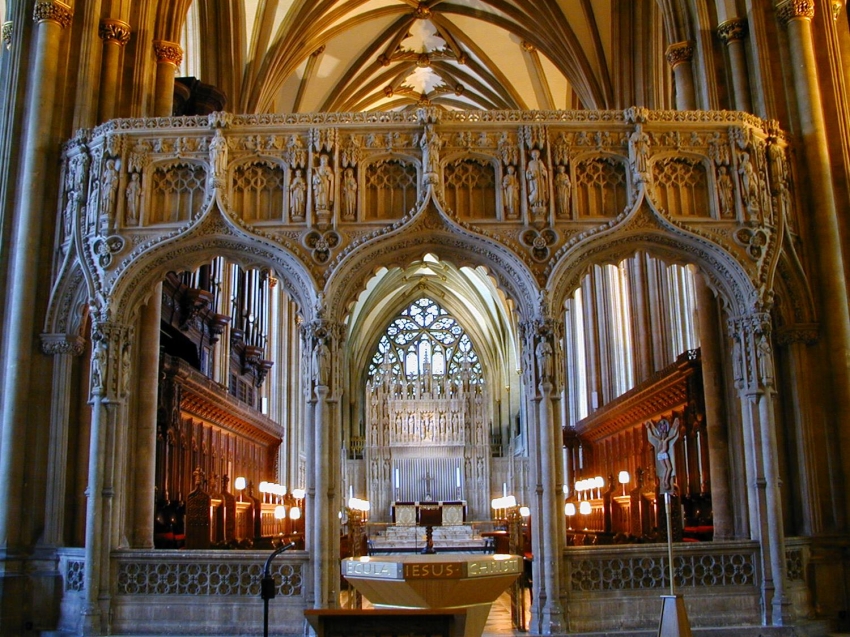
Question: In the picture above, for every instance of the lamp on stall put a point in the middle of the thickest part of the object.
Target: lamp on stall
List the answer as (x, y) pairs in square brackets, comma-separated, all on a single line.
[(524, 512), (295, 513), (279, 512), (239, 484), (570, 511), (623, 478), (584, 507)]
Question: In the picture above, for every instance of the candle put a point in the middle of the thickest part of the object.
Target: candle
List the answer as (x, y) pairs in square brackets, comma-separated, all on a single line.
[(396, 478), (457, 477), (504, 489), (350, 491)]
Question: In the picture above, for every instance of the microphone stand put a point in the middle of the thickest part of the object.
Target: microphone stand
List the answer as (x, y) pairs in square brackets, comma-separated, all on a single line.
[(267, 587)]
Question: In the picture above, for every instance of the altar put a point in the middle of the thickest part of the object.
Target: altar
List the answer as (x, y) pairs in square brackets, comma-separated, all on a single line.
[(441, 513)]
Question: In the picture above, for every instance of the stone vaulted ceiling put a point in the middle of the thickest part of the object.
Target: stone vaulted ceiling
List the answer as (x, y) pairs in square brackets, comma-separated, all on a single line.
[(354, 55)]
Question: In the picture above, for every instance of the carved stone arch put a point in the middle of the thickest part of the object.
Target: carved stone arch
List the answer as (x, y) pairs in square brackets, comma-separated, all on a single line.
[(672, 171), (595, 174), (69, 301), (390, 183), (428, 230), (794, 306), (212, 238), (487, 203), (644, 230)]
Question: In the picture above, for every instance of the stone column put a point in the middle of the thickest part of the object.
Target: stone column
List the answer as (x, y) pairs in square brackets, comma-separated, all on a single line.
[(115, 35), (679, 56), (715, 415), (144, 455), (732, 33), (797, 16), (110, 355), (21, 320), (542, 355), (754, 359), (64, 349), (169, 55)]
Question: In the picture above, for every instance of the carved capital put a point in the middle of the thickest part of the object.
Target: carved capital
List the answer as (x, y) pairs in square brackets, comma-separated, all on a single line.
[(7, 34), (679, 52), (55, 11), (54, 344), (116, 31), (168, 52), (788, 10), (733, 30)]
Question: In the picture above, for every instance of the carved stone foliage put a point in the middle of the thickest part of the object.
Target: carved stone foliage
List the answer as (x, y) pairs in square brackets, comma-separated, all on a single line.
[(470, 188)]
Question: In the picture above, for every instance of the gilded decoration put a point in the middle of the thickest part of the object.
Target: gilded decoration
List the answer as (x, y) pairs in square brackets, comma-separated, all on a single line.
[(788, 10), (733, 30), (169, 52), (112, 30), (57, 12), (679, 52)]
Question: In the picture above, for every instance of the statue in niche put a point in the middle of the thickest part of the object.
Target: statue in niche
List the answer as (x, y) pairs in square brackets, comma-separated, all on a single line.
[(134, 199), (537, 176), (544, 360), (510, 193), (297, 196), (430, 144), (109, 188), (727, 193), (98, 365), (349, 190), (323, 182), (563, 187), (749, 182), (639, 154), (322, 363), (218, 154), (662, 437)]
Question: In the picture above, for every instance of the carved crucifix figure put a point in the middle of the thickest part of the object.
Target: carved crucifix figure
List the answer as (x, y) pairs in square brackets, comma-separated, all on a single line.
[(662, 437), (427, 480)]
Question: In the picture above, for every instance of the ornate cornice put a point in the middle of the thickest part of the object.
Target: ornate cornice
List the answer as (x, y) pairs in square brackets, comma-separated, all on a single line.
[(168, 52), (112, 30), (7, 34), (679, 52), (55, 11), (788, 10), (733, 30)]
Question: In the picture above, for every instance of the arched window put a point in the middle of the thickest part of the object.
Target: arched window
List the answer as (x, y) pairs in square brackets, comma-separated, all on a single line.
[(428, 340)]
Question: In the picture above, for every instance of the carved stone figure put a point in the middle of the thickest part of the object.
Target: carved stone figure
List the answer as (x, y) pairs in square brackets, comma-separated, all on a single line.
[(510, 193), (297, 196), (134, 199), (108, 190), (537, 176), (563, 186), (726, 191), (662, 437), (218, 154), (639, 154), (749, 181), (323, 181), (322, 363), (98, 367), (349, 191), (545, 364), (430, 143)]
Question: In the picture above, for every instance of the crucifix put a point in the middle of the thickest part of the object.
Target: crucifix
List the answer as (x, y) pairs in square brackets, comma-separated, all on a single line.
[(427, 480)]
